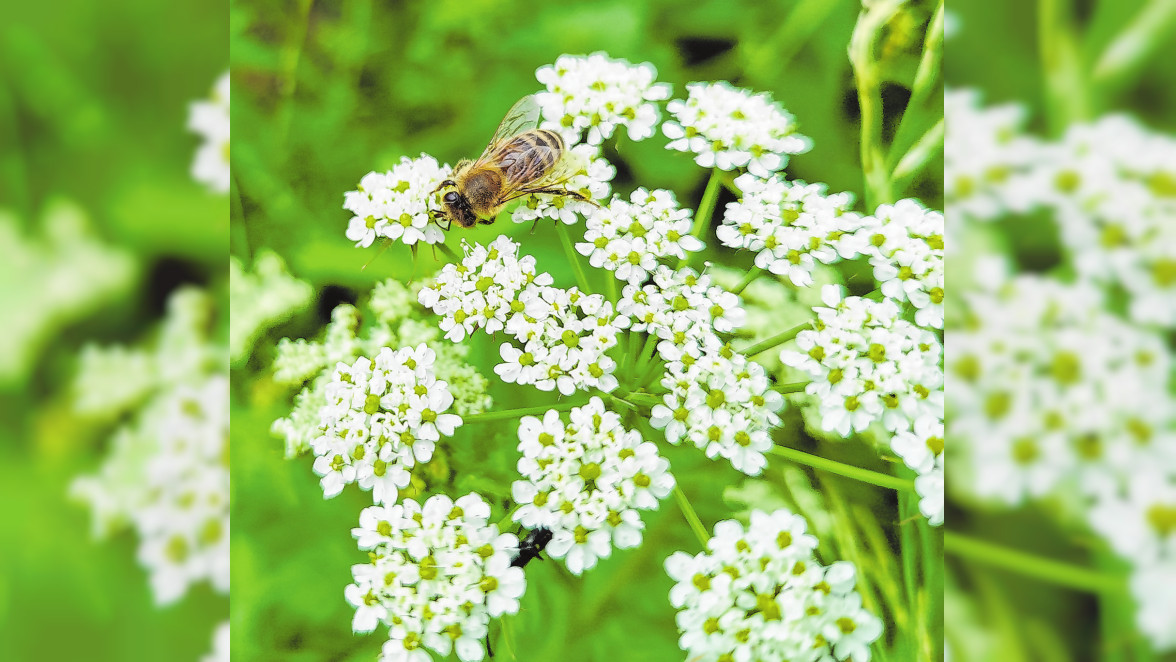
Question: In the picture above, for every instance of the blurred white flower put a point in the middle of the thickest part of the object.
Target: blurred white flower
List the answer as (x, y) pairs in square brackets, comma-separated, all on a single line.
[(167, 471), (261, 299), (76, 275), (220, 645), (728, 127), (210, 119)]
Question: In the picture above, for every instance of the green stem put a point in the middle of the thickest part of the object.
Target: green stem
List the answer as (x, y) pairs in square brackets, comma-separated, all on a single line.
[(917, 157), (909, 551), (926, 91), (1066, 91), (793, 387), (752, 274), (1136, 43), (776, 340), (1046, 570), (848, 471), (525, 411), (613, 294), (690, 515), (869, 87), (574, 258), (706, 209)]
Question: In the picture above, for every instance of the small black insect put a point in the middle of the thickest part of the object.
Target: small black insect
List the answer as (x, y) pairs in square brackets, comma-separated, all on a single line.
[(530, 546)]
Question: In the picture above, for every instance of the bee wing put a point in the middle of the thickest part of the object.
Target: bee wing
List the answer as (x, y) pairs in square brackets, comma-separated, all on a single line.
[(522, 117), (569, 165)]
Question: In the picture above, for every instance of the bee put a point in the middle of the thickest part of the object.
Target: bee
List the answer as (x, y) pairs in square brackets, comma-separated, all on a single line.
[(531, 546), (520, 160)]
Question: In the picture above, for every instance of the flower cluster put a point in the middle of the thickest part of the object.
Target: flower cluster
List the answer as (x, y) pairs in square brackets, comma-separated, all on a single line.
[(1050, 386), (585, 481), (868, 365), (728, 128), (628, 238), (905, 245), (760, 594), (396, 204), (682, 308), (564, 336), (167, 472), (380, 419), (790, 226), (391, 318), (77, 274), (261, 299), (721, 402), (983, 148), (1114, 184), (592, 180), (599, 94), (210, 119), (438, 573), (482, 291)]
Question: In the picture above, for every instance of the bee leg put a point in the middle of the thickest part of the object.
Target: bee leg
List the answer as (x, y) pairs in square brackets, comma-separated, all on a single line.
[(489, 651), (534, 226)]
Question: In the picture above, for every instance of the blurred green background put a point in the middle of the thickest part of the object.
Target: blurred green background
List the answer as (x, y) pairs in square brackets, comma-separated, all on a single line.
[(93, 107), (325, 92), (994, 614)]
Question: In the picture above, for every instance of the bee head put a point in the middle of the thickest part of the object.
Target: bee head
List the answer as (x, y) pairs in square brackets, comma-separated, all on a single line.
[(457, 209)]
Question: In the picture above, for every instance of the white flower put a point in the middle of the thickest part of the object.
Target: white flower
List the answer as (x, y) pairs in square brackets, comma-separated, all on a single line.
[(261, 299), (167, 473), (930, 489), (760, 594), (730, 128), (585, 481), (396, 204), (220, 645), (628, 238), (984, 148), (437, 574), (905, 245), (210, 119), (868, 365), (599, 94), (790, 226), (379, 419)]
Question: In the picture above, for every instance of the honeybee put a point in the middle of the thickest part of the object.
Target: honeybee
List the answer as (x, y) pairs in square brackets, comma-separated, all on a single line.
[(520, 160)]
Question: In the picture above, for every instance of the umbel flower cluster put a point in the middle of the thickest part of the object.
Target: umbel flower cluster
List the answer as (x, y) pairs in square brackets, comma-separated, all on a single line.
[(760, 594), (564, 334), (659, 344), (585, 481), (390, 317), (166, 473), (380, 419), (1065, 394), (437, 574)]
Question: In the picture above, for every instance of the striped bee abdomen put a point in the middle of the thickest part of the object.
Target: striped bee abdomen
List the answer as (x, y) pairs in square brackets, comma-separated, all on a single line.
[(530, 155)]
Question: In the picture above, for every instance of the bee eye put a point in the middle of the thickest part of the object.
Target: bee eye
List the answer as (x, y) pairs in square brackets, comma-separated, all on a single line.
[(451, 197)]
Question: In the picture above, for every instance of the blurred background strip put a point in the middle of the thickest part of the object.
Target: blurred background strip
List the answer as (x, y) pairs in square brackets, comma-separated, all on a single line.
[(113, 355)]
